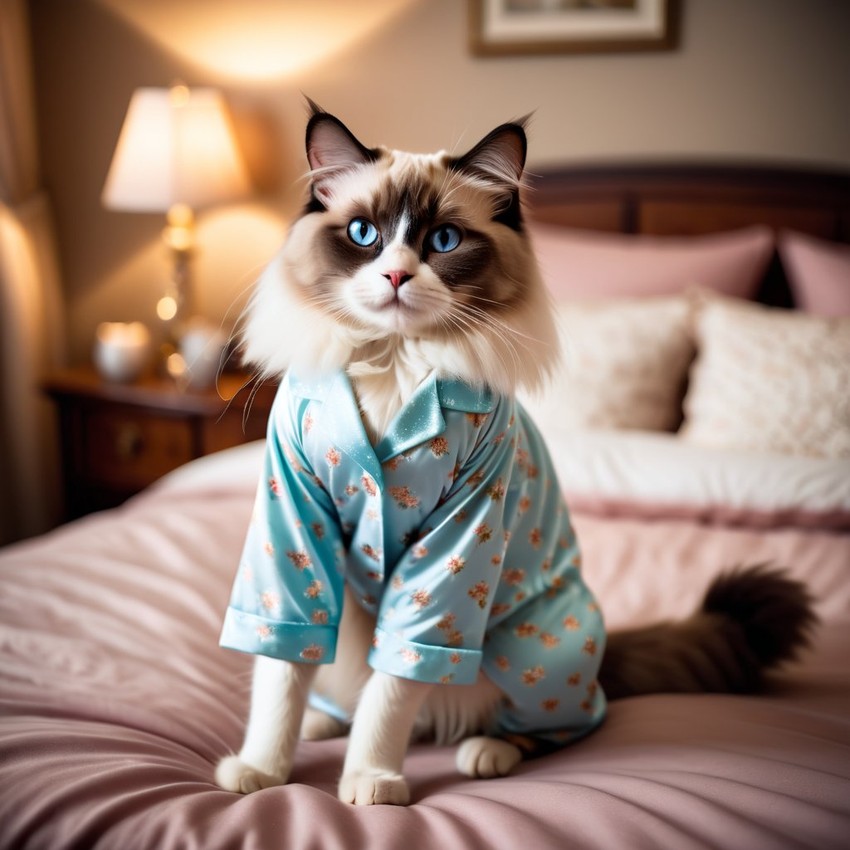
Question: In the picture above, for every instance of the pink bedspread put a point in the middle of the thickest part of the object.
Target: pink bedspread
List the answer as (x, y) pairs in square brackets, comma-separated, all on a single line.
[(117, 702)]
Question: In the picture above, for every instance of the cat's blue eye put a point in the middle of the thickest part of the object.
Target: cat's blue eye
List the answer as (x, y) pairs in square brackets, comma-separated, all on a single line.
[(445, 238), (362, 232)]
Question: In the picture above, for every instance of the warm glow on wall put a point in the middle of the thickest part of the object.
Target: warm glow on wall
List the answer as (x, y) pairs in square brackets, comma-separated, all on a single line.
[(256, 40), (236, 243)]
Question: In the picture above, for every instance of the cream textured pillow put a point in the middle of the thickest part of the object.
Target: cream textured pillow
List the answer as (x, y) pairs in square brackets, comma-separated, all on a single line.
[(625, 362), (769, 379)]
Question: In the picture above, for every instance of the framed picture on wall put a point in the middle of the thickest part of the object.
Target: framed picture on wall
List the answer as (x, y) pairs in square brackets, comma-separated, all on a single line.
[(503, 27)]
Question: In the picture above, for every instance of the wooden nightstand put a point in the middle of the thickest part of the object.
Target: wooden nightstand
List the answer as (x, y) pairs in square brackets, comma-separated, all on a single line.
[(118, 438)]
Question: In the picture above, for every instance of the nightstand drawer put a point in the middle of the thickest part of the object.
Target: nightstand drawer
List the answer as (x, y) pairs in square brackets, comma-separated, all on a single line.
[(129, 449), (119, 438)]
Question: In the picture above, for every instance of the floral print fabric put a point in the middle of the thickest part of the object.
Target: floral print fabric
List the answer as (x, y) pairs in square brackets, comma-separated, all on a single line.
[(451, 531)]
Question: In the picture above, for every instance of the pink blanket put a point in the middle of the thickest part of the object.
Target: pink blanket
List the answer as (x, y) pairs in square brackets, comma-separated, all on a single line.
[(117, 702)]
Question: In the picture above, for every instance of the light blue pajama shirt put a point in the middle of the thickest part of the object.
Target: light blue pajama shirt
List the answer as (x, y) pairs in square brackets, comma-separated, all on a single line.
[(451, 530)]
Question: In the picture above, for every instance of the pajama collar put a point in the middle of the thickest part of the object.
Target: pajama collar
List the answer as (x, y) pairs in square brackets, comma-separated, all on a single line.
[(419, 420)]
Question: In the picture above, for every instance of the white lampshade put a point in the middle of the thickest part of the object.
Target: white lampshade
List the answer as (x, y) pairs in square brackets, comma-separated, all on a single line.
[(176, 147)]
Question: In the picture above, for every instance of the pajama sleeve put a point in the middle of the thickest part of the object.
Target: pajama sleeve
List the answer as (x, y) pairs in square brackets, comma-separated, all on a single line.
[(287, 596), (435, 610)]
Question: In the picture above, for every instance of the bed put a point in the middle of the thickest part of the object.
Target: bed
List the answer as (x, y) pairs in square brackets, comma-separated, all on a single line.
[(709, 428)]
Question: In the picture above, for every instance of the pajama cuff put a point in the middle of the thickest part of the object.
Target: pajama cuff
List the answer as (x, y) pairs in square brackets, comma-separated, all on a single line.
[(303, 642), (438, 664)]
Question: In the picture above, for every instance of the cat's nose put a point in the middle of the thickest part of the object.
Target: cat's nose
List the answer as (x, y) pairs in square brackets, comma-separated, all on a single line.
[(397, 277)]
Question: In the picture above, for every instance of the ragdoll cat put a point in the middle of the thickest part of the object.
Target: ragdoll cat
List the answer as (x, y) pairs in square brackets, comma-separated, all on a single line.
[(410, 568)]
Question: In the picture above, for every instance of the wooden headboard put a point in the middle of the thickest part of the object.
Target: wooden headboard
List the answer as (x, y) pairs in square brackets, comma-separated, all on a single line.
[(687, 199)]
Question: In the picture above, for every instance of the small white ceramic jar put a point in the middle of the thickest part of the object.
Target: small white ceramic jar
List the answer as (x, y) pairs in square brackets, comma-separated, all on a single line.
[(121, 350)]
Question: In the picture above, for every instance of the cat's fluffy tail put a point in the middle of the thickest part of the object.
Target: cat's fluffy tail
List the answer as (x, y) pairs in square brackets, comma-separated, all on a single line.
[(751, 620)]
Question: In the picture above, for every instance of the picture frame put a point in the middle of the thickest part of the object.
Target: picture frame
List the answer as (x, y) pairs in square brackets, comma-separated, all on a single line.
[(529, 27)]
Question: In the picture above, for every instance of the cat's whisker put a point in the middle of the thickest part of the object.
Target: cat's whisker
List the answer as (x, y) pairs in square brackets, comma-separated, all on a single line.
[(249, 404), (511, 329), (466, 320), (503, 341), (476, 316), (506, 348)]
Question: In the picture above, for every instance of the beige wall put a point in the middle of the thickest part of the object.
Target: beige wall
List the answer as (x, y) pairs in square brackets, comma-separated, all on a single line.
[(760, 79)]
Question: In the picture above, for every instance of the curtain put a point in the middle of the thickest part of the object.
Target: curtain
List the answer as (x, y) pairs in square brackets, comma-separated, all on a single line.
[(31, 337)]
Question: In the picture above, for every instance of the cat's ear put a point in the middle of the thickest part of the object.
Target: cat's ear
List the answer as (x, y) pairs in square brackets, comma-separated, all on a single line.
[(499, 157), (331, 148)]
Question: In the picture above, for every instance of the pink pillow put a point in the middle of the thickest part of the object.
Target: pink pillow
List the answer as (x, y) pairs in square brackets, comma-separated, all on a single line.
[(819, 273), (585, 264)]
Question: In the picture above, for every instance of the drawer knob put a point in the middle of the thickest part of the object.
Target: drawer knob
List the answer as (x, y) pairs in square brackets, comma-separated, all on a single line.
[(129, 442)]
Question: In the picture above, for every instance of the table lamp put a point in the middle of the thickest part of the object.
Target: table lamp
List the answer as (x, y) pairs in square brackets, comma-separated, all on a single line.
[(176, 153)]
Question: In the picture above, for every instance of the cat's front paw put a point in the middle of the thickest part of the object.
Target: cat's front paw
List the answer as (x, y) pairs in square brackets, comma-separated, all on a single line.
[(373, 789), (233, 774), (485, 758)]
